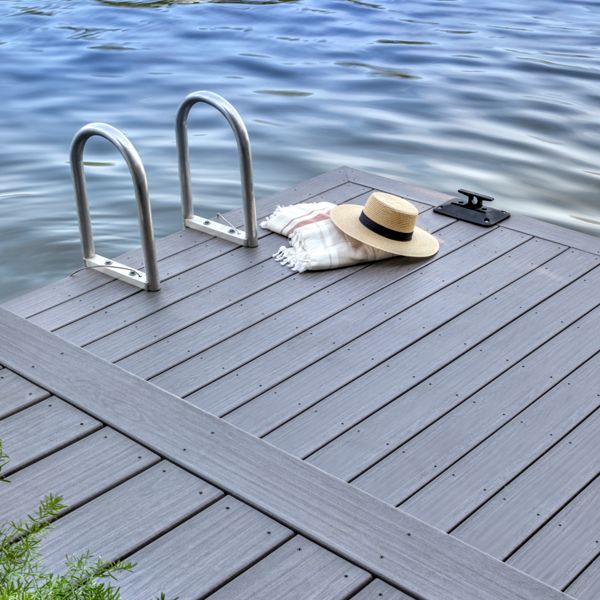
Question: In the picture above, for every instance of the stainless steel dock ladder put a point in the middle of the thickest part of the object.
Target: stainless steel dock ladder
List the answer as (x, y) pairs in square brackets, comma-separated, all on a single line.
[(228, 232), (149, 280)]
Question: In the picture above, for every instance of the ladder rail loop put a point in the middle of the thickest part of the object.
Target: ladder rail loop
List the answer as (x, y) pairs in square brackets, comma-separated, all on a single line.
[(249, 237), (150, 280)]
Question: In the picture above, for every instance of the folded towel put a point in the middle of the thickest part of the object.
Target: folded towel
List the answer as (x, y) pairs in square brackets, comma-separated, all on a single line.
[(316, 243)]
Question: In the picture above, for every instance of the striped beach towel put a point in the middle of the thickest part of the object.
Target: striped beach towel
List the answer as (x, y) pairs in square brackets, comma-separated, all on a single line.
[(315, 242)]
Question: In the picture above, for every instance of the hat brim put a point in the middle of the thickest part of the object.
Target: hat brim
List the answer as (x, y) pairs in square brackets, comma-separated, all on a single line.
[(345, 218)]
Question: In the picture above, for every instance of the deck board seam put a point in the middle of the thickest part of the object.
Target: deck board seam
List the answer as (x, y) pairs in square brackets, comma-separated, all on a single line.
[(523, 469), (425, 334), (336, 349), (213, 241), (555, 513), (476, 391), (191, 295), (290, 472), (360, 269)]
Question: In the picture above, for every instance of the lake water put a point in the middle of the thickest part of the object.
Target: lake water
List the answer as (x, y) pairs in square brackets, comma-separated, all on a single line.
[(499, 96)]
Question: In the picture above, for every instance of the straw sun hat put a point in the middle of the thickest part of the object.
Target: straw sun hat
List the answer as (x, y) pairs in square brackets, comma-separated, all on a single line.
[(387, 223)]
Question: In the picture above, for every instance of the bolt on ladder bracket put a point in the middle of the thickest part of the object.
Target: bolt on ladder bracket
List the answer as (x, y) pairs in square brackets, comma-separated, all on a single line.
[(472, 209), (248, 237), (150, 280)]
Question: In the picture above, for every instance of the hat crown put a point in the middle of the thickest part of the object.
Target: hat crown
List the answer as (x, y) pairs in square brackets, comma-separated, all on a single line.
[(391, 211)]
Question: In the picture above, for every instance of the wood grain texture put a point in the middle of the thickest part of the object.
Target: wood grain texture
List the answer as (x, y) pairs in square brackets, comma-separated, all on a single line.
[(587, 585), (58, 292), (478, 416), (78, 473), (17, 393), (471, 481), (298, 570), (249, 288), (508, 519), (100, 312), (397, 325), (379, 590), (355, 525), (203, 553), (346, 407), (567, 543), (323, 344), (41, 429), (129, 516), (452, 385), (206, 341)]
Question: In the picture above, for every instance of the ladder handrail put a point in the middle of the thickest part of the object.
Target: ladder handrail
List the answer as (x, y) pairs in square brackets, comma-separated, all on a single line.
[(243, 143), (151, 281)]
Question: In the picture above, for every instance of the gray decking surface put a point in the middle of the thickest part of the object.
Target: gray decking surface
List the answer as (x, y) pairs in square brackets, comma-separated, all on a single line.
[(463, 389)]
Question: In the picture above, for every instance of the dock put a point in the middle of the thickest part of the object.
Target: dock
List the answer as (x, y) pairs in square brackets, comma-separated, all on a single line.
[(401, 430)]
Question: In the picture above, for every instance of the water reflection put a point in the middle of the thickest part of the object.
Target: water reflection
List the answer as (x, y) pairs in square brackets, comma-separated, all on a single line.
[(498, 96)]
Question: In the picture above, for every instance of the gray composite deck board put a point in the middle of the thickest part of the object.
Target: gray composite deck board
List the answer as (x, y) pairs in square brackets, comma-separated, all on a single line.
[(58, 292), (587, 585), (355, 322), (396, 325), (311, 430), (118, 522), (379, 590), (473, 419), (203, 553), (259, 287), (17, 393), (416, 407), (330, 291), (566, 544), (337, 299), (298, 570), (99, 312), (355, 525), (472, 480), (78, 473), (211, 286), (41, 429), (507, 520)]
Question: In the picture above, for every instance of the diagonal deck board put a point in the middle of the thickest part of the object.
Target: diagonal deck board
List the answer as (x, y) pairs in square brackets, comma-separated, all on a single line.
[(386, 338), (349, 323), (220, 542), (138, 331), (78, 473), (99, 312), (140, 509), (319, 506), (58, 292), (41, 429), (503, 523), (587, 585), (298, 569), (562, 548), (309, 431), (322, 295), (476, 417), (472, 480), (17, 393)]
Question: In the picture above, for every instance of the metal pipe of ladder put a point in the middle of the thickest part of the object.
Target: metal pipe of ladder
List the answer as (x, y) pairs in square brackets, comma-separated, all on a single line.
[(150, 280), (249, 237)]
